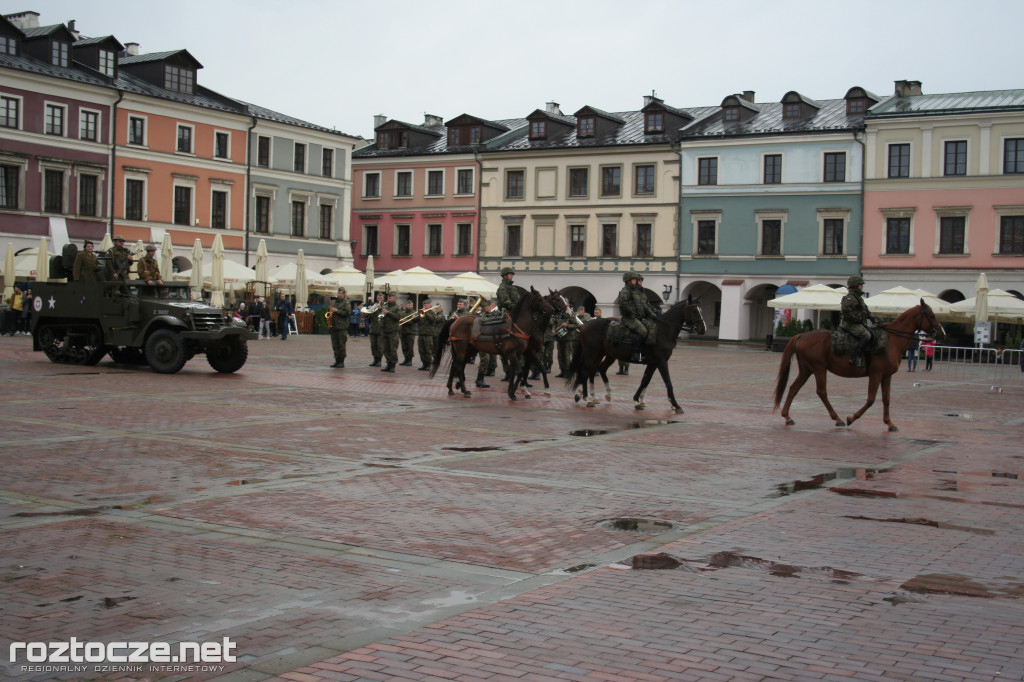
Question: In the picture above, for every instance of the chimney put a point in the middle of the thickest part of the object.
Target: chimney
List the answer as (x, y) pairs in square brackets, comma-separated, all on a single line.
[(553, 108), (430, 120), (379, 120), (748, 95), (908, 88), (653, 97), (72, 29), (24, 20), (131, 49)]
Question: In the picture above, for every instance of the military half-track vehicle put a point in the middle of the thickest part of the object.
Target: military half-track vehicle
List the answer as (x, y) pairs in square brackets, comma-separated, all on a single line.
[(80, 322)]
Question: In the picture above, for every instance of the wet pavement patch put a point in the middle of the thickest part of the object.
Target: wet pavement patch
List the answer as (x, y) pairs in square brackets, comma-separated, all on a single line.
[(486, 448), (247, 481), (579, 567), (928, 522), (111, 602), (637, 525), (92, 511), (646, 423), (587, 432), (960, 585), (816, 482)]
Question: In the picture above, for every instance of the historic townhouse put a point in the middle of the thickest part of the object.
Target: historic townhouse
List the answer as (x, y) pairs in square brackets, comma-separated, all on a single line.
[(770, 195), (417, 193), (55, 123), (944, 191), (572, 202)]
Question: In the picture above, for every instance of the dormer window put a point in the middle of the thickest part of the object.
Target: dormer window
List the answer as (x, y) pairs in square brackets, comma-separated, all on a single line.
[(393, 139), (791, 110), (731, 114), (8, 45), (475, 135), (454, 137), (538, 130), (855, 106), (585, 126), (654, 122), (108, 62), (59, 53), (179, 79)]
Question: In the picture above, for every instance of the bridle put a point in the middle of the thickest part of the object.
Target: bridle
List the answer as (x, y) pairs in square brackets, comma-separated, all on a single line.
[(937, 326), (688, 327)]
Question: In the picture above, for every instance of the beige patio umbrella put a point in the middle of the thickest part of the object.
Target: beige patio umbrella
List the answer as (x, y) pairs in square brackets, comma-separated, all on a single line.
[(236, 276), (816, 297), (285, 277), (1002, 306), (416, 280), (301, 282), (9, 272), (105, 243), (217, 273), (369, 278), (981, 299), (262, 262), (166, 257), (137, 251), (472, 284), (42, 262), (352, 279), (197, 270), (898, 300)]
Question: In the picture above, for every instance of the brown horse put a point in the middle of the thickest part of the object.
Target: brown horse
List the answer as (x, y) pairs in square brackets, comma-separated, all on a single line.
[(814, 355), (594, 354)]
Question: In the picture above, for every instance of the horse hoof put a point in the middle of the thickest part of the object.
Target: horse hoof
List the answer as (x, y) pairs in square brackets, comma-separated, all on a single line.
[(639, 407), (849, 421), (790, 422), (547, 394), (678, 410), (892, 427), (527, 396), (608, 398), (576, 397)]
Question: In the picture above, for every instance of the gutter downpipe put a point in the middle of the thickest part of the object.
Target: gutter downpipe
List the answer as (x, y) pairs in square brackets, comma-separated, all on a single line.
[(248, 185), (113, 160), (678, 148), (479, 205), (858, 138)]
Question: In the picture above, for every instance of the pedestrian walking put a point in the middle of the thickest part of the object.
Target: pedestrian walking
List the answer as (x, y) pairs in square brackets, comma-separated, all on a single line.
[(913, 350), (929, 353)]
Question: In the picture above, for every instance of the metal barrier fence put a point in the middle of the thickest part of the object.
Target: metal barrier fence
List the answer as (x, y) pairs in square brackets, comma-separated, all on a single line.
[(988, 367), (1011, 370)]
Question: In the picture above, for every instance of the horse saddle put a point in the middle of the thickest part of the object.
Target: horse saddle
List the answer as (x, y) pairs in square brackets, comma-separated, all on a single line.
[(844, 343), (491, 328), (620, 333)]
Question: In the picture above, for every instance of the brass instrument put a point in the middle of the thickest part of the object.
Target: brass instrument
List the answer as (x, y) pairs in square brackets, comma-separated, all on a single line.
[(417, 313), (370, 309), (476, 305), (579, 321), (329, 316)]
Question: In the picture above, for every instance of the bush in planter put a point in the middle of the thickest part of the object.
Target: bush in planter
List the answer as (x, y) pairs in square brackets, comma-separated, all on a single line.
[(320, 321)]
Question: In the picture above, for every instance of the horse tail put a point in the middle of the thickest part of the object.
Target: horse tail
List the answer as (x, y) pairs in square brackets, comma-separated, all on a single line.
[(442, 344), (783, 377)]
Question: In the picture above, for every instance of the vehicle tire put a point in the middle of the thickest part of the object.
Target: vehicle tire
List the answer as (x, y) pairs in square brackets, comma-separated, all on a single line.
[(230, 358), (128, 355), (165, 351), (93, 350), (49, 341)]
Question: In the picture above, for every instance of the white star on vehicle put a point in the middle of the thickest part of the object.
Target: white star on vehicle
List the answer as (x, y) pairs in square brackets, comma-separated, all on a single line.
[(52, 302)]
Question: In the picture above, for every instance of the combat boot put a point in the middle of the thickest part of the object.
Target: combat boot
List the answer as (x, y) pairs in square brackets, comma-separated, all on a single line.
[(375, 363), (337, 363), (480, 382), (637, 341), (406, 363), (389, 368), (425, 367)]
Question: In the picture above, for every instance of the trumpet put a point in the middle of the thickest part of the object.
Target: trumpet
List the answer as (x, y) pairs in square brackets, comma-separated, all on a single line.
[(419, 313)]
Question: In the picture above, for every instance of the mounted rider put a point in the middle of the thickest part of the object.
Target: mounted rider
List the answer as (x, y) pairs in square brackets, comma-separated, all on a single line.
[(508, 293), (635, 309), (856, 318)]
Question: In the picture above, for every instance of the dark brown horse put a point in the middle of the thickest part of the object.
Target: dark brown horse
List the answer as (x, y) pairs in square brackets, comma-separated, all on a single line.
[(534, 349), (814, 355), (595, 354), (512, 346)]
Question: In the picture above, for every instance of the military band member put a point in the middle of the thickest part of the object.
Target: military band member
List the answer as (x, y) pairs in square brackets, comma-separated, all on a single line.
[(149, 268), (375, 331), (428, 332), (389, 331), (407, 332), (490, 313), (460, 309), (566, 333), (120, 261), (86, 262), (340, 309)]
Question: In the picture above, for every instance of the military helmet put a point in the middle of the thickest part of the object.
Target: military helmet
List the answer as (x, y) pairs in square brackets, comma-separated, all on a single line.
[(507, 271), (639, 276), (87, 242), (854, 281), (150, 247), (626, 276), (119, 238)]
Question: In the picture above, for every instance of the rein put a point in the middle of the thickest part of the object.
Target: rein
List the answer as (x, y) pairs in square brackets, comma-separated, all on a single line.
[(899, 332)]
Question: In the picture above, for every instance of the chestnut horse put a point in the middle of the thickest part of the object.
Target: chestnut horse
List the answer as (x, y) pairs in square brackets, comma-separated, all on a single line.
[(814, 355)]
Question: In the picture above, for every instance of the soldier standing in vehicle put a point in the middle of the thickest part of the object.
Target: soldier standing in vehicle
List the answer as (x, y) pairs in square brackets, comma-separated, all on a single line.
[(340, 309), (855, 317), (86, 262), (149, 268), (120, 261)]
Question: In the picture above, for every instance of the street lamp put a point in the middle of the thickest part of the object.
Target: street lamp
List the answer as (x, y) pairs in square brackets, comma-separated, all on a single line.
[(667, 292)]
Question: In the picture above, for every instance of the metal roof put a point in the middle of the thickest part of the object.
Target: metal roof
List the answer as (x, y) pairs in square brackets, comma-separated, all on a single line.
[(30, 65), (769, 121), (949, 103), (440, 145)]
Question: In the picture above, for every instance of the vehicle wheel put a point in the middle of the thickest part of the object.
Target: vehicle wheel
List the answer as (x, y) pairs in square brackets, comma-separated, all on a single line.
[(127, 355), (93, 350), (165, 351), (49, 342), (230, 358)]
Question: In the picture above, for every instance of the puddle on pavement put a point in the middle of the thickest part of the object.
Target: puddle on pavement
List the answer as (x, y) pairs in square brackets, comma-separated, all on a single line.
[(486, 448), (633, 525), (92, 511), (248, 481), (927, 522), (996, 474), (816, 482), (579, 567), (111, 602), (633, 425), (587, 432), (960, 585), (960, 415)]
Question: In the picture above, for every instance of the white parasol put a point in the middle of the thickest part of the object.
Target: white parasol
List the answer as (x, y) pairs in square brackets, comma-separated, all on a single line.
[(898, 300), (981, 299), (217, 273), (262, 262), (301, 282), (236, 275), (166, 257), (368, 294), (9, 272), (416, 280), (197, 270), (472, 284), (42, 262), (816, 297), (352, 279), (105, 243), (1002, 305)]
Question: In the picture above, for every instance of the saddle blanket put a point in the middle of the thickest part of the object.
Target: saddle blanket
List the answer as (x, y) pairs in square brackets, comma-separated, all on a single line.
[(845, 344), (620, 333), (490, 329)]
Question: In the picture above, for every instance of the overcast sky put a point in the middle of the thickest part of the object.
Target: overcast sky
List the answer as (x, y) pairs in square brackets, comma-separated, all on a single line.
[(337, 63)]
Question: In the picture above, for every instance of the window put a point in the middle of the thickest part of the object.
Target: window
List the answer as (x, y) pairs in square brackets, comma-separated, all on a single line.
[(182, 205), (1011, 234), (956, 158), (87, 125), (463, 239), (771, 237), (585, 126), (134, 193), (855, 106), (513, 240), (832, 236), (835, 167), (538, 130), (108, 62), (8, 45), (434, 240), (654, 122), (644, 240), (393, 139), (263, 152), (772, 169), (53, 191), (299, 165), (9, 112), (707, 171), (59, 53), (454, 136), (731, 114), (221, 144), (9, 186), (370, 240), (464, 180), (219, 209), (327, 163), (577, 241), (403, 240), (87, 185), (1013, 155), (298, 218), (791, 110), (475, 135), (644, 180), (185, 139), (435, 183), (706, 233), (899, 161), (579, 178), (262, 214), (54, 120), (609, 240), (403, 184), (136, 130), (897, 235), (951, 234), (179, 79), (326, 220), (371, 185), (514, 184), (611, 181)]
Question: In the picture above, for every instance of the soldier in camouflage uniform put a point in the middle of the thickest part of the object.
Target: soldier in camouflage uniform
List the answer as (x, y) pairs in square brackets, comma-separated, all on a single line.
[(120, 261), (508, 294), (634, 308), (149, 268), (427, 341), (407, 332), (375, 332), (566, 341), (855, 317), (86, 262), (389, 331), (340, 309), (491, 313)]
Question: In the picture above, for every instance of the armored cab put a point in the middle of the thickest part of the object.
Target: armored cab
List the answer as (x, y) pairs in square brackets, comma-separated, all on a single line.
[(80, 322)]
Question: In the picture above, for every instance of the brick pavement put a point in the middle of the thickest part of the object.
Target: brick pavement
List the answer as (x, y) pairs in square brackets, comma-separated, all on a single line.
[(344, 524)]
